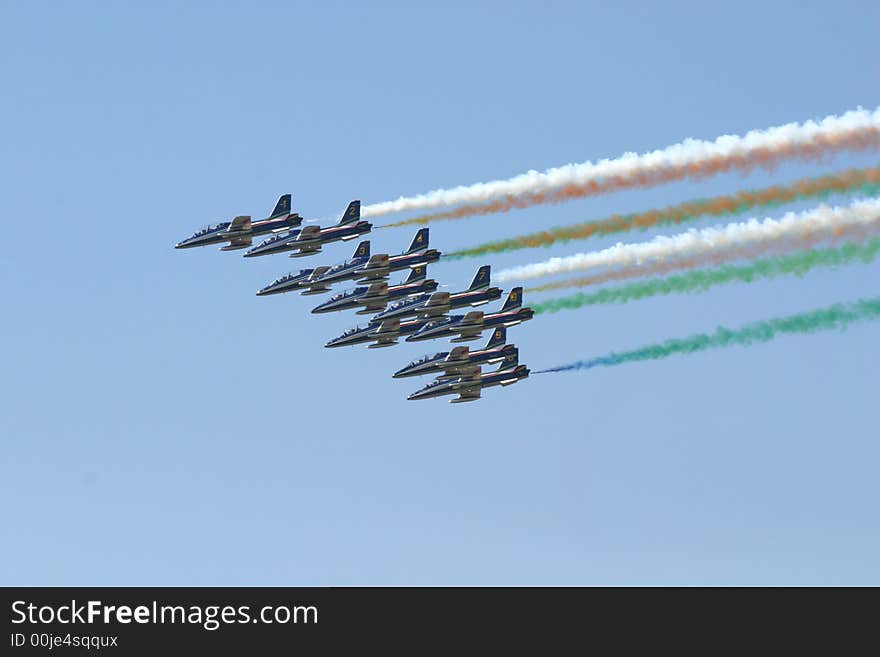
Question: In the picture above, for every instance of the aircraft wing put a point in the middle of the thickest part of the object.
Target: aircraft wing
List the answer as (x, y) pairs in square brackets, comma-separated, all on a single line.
[(473, 317), (467, 395), (239, 223), (459, 354), (378, 260), (470, 327), (306, 250), (383, 342), (373, 308), (438, 304), (315, 288), (238, 243), (391, 326), (460, 371), (466, 333), (309, 234), (377, 290)]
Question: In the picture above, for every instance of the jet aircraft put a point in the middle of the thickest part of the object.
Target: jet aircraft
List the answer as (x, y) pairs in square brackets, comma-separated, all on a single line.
[(379, 266), (308, 240), (240, 231), (469, 326), (375, 297), (461, 360), (381, 334), (302, 280), (469, 386), (307, 279), (439, 303)]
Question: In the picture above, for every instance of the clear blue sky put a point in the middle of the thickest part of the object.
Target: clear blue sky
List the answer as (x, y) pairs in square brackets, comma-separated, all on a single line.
[(163, 425)]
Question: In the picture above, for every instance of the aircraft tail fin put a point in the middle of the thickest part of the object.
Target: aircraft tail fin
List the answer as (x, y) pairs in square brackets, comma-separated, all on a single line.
[(514, 300), (282, 207), (511, 360), (498, 339), (352, 213), (420, 241), (416, 274), (481, 279), (362, 250)]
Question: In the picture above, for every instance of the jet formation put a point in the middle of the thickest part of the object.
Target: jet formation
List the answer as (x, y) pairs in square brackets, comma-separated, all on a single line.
[(413, 309)]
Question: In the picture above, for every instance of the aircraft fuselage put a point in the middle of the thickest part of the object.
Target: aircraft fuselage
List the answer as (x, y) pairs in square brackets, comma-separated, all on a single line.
[(220, 232), (453, 387), (292, 241)]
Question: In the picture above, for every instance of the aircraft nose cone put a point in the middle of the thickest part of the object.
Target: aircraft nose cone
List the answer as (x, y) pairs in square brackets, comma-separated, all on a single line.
[(262, 292)]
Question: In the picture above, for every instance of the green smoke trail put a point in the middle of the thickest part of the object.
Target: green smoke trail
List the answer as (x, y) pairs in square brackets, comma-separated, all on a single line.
[(838, 316), (700, 280), (864, 182)]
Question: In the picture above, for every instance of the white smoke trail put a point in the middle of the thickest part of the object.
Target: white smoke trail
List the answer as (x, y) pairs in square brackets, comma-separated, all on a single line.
[(692, 158), (707, 246)]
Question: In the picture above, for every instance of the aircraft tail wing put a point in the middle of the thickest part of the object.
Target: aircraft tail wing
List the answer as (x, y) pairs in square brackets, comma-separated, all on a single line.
[(481, 279), (362, 250), (282, 207), (420, 241), (416, 274), (511, 360), (352, 214), (499, 338), (514, 300)]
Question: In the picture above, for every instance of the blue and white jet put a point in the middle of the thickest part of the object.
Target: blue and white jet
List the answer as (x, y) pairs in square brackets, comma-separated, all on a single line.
[(460, 361), (379, 266), (470, 326), (381, 334), (309, 240), (240, 232), (469, 387), (440, 303), (302, 280), (306, 281), (375, 297)]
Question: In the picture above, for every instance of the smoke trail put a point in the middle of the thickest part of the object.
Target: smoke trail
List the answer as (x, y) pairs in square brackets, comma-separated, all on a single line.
[(838, 316), (713, 246), (701, 280), (865, 182), (854, 130)]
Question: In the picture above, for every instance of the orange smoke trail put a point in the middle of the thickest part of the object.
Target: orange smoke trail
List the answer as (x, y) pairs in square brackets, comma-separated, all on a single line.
[(803, 242), (861, 181), (768, 158)]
